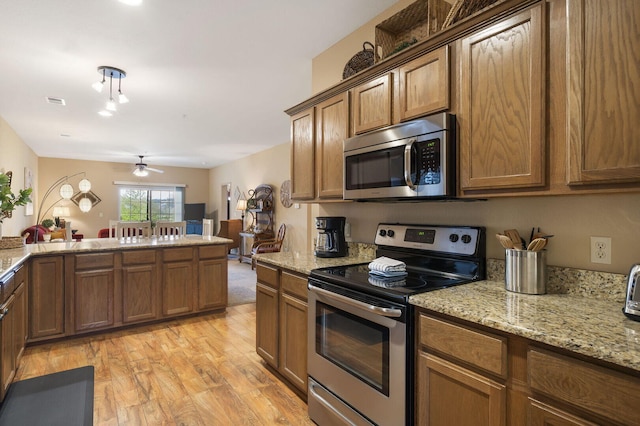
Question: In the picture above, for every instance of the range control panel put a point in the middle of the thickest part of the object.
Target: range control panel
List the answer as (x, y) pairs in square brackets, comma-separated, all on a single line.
[(461, 240)]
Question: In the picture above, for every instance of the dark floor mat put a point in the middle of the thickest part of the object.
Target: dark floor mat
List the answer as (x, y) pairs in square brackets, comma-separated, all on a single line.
[(64, 398)]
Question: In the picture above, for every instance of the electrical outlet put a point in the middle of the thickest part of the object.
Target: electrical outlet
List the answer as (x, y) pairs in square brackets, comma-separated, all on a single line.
[(601, 250)]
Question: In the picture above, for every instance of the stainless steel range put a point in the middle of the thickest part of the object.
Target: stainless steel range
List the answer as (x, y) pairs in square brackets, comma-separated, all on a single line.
[(361, 326)]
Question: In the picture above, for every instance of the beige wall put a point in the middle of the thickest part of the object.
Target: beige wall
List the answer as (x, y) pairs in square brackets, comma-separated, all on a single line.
[(270, 167), (15, 155), (102, 175), (328, 66)]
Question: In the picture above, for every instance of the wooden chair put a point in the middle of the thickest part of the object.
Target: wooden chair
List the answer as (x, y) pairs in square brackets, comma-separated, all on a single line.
[(269, 246), (168, 229), (132, 229), (207, 227)]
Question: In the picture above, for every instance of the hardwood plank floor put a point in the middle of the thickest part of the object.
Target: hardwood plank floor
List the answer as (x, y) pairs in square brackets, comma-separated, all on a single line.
[(194, 371)]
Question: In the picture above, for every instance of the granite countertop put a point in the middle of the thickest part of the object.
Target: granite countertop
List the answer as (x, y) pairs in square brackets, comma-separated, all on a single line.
[(585, 325), (305, 262), (11, 258)]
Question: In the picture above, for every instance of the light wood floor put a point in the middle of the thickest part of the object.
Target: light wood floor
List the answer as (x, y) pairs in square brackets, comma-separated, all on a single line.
[(196, 371)]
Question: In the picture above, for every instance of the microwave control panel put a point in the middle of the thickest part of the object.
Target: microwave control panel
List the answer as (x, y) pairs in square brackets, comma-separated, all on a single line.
[(429, 158)]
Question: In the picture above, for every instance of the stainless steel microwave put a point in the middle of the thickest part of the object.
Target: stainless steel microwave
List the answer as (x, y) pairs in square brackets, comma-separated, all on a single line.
[(408, 161)]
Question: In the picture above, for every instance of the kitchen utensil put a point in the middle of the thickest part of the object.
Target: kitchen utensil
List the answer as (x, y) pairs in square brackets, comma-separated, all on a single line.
[(526, 271), (505, 241), (632, 303), (537, 244), (518, 242)]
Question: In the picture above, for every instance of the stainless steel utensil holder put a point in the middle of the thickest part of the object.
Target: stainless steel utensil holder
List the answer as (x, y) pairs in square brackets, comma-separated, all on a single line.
[(526, 271)]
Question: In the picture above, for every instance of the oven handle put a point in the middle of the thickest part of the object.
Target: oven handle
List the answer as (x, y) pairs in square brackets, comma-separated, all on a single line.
[(379, 310), (407, 164)]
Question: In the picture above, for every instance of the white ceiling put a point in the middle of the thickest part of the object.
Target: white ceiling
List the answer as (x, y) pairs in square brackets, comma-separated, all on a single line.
[(208, 80)]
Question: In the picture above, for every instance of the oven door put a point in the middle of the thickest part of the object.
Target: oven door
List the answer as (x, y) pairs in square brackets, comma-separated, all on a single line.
[(356, 357)]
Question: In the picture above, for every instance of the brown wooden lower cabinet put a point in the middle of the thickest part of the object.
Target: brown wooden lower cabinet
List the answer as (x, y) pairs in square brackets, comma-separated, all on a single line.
[(461, 380), (87, 292), (177, 281), (281, 323), (12, 333), (46, 297)]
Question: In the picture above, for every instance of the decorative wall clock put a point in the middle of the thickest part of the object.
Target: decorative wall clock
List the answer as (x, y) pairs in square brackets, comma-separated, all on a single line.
[(285, 193)]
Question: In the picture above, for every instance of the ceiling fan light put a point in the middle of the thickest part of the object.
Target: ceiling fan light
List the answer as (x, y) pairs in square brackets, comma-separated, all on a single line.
[(85, 205), (122, 98), (111, 105), (105, 113), (66, 191), (98, 86), (84, 185), (140, 172)]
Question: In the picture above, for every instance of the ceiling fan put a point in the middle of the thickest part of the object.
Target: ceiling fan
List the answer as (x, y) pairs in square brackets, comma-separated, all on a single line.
[(142, 169)]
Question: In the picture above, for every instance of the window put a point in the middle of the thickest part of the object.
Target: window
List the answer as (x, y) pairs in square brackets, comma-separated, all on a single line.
[(138, 203)]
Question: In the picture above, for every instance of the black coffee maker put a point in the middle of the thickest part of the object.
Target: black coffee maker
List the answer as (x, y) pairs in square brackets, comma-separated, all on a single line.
[(330, 241)]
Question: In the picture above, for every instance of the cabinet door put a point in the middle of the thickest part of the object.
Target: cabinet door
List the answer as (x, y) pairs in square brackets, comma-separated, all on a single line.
[(93, 299), (451, 395), (8, 362), (212, 284), (46, 297), (267, 323), (603, 108), (544, 415), (302, 156), (139, 293), (424, 85), (20, 321), (502, 121), (332, 128), (177, 289), (372, 104), (293, 340)]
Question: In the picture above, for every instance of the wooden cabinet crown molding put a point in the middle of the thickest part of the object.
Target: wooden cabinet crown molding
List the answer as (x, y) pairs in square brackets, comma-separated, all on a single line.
[(490, 15)]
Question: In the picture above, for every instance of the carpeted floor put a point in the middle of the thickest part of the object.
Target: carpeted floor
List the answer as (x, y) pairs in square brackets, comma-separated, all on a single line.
[(242, 283)]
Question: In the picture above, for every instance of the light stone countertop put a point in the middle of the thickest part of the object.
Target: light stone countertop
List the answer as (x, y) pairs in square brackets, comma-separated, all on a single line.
[(585, 325), (11, 258), (305, 262)]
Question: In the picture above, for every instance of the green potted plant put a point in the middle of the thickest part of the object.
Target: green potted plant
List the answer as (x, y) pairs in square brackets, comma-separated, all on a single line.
[(8, 200), (48, 223)]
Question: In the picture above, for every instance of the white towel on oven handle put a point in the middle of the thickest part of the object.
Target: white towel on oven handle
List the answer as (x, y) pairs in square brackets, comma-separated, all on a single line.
[(386, 264)]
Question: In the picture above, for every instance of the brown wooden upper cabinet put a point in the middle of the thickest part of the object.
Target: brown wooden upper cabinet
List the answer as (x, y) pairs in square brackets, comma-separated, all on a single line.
[(302, 155), (417, 88), (317, 136), (372, 104), (332, 128), (603, 72), (502, 104)]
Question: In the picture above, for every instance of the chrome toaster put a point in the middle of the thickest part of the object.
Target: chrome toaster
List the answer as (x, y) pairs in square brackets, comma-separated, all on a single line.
[(632, 302)]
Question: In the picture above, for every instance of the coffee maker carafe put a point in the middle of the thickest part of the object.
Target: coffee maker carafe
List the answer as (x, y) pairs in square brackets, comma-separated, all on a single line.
[(330, 241)]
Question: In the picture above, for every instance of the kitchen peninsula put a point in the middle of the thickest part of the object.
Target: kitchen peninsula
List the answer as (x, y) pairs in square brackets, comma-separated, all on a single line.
[(105, 283)]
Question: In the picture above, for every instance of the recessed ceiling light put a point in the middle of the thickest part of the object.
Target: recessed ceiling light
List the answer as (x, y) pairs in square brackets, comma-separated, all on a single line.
[(55, 101), (65, 135)]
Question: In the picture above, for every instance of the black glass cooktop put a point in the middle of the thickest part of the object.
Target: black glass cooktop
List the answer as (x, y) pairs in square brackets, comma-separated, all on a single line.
[(357, 277)]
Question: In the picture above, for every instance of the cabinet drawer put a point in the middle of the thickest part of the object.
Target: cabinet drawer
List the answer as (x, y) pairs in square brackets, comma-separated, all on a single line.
[(94, 260), (267, 275), (483, 350), (209, 252), (590, 387), (175, 254), (294, 284), (138, 257)]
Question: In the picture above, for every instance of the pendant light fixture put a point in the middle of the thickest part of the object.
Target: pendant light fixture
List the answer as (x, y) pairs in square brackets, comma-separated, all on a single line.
[(111, 72)]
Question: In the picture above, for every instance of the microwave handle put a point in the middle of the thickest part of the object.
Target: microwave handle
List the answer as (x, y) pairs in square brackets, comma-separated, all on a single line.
[(407, 164)]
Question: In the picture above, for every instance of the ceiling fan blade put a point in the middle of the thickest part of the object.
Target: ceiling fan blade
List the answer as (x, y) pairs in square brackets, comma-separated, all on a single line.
[(154, 170)]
